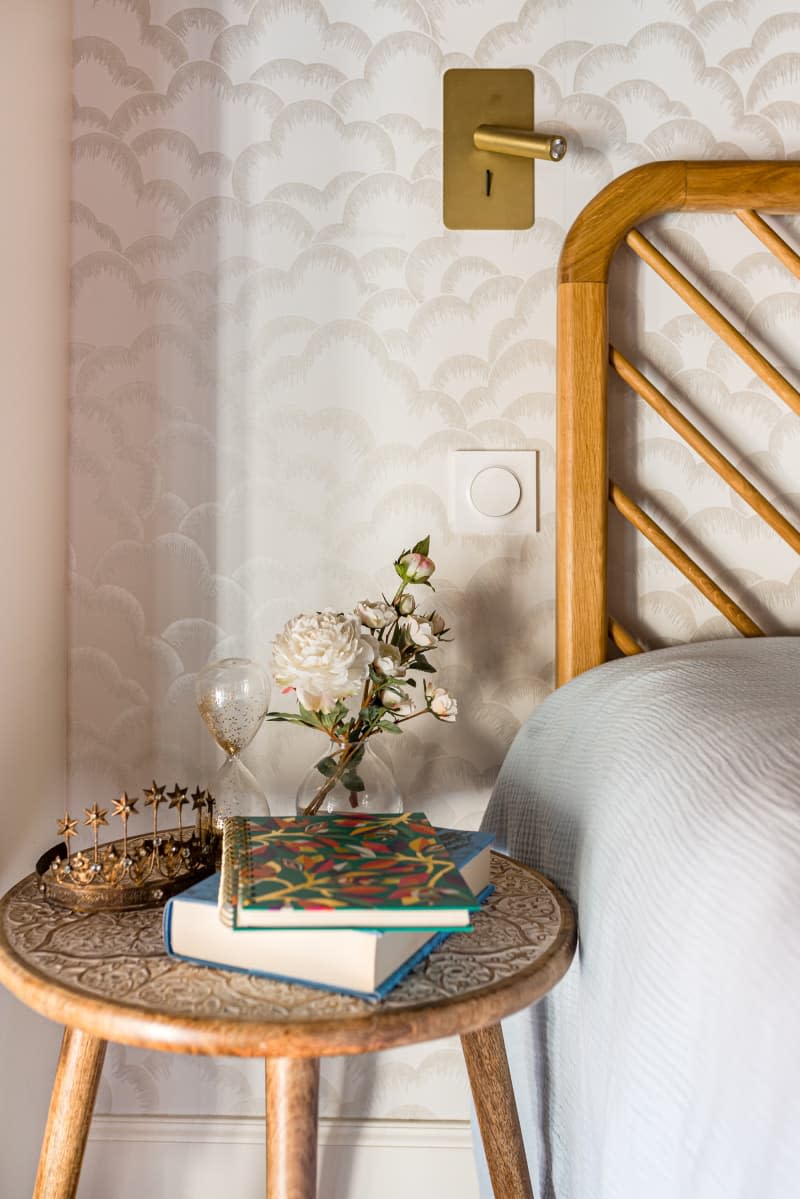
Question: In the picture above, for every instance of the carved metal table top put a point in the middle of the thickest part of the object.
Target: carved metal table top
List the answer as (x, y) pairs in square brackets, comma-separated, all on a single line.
[(107, 973)]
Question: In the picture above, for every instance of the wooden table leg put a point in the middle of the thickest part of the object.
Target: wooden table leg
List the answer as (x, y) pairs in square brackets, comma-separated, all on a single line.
[(496, 1109), (292, 1099), (71, 1104)]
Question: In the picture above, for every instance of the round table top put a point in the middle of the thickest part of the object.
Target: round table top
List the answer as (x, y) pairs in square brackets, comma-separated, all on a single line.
[(107, 973)]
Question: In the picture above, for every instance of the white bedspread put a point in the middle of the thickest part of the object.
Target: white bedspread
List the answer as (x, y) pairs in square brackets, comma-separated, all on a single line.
[(662, 794)]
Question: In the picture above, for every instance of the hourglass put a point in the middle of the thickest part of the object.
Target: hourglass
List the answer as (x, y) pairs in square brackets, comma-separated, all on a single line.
[(233, 698)]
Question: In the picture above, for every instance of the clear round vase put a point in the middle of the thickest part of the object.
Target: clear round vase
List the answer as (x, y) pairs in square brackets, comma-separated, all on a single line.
[(379, 795)]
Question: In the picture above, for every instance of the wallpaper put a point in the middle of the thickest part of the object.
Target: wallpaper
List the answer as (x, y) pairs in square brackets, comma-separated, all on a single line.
[(276, 345)]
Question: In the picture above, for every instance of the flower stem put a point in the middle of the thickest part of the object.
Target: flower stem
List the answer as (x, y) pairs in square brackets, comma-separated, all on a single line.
[(348, 752), (403, 719)]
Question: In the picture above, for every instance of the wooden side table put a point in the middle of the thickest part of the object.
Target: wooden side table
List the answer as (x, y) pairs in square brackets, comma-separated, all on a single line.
[(106, 977)]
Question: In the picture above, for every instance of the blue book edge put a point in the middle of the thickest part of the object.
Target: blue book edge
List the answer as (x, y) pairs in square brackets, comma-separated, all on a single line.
[(371, 996)]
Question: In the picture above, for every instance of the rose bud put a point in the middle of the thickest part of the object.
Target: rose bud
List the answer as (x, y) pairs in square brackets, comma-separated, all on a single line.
[(418, 632), (406, 604), (387, 660), (396, 702), (441, 703), (415, 568)]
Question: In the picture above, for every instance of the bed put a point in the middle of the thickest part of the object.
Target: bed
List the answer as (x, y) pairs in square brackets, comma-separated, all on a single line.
[(661, 791)]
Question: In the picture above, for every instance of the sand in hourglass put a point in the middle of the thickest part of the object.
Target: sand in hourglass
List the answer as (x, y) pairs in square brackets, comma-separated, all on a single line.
[(233, 698)]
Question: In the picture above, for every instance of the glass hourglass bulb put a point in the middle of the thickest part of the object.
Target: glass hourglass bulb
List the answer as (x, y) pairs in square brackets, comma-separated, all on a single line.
[(233, 699)]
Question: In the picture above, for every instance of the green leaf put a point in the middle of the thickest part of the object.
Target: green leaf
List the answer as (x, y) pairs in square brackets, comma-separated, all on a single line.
[(329, 720), (422, 663), (293, 718), (389, 727), (310, 718), (357, 757), (327, 766), (423, 547), (352, 781)]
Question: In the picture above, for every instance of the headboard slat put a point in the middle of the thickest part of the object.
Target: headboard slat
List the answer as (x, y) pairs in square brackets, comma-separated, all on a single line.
[(685, 564), (623, 640), (700, 443), (768, 237), (714, 319)]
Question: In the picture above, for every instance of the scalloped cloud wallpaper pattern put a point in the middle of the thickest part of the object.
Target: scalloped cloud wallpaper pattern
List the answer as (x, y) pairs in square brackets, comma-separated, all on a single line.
[(276, 344)]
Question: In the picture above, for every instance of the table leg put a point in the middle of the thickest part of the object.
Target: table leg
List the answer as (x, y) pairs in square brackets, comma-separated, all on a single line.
[(496, 1109), (292, 1098), (71, 1104)]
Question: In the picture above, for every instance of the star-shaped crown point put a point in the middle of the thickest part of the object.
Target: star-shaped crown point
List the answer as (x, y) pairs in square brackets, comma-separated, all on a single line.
[(155, 795), (124, 807), (177, 797), (68, 827), (95, 816)]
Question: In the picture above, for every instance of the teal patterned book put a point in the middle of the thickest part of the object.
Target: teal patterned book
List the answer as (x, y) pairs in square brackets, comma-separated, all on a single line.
[(333, 870), (364, 962)]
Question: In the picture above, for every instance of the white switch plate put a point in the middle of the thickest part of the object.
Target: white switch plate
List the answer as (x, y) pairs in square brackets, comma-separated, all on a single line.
[(465, 465)]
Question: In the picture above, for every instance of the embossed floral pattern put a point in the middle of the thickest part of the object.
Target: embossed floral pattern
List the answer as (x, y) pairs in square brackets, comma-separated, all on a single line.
[(120, 956)]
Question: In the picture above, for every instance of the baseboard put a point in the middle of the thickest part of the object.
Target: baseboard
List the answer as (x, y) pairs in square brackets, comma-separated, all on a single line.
[(206, 1157)]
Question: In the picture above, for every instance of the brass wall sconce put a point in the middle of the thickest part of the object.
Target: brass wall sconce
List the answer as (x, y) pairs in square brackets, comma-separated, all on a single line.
[(489, 141)]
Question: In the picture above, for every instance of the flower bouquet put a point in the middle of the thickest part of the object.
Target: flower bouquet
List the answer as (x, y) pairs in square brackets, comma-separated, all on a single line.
[(372, 652)]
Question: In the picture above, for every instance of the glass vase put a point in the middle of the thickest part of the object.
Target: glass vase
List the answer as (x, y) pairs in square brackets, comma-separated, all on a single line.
[(331, 791), (233, 698)]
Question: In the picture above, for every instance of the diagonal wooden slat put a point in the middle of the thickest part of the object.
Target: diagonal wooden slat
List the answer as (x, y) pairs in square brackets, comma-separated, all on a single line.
[(622, 638), (772, 240), (714, 319), (686, 565), (693, 437)]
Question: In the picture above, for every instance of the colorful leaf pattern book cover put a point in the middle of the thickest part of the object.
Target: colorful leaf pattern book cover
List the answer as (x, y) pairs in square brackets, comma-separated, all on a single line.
[(335, 861)]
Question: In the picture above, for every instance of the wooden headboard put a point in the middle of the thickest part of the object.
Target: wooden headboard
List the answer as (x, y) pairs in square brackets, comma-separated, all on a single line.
[(584, 627)]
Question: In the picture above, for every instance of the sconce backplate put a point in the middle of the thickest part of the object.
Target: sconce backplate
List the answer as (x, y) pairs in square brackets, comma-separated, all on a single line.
[(474, 97)]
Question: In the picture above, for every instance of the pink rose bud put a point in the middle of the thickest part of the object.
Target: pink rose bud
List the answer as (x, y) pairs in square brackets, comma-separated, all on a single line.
[(416, 568)]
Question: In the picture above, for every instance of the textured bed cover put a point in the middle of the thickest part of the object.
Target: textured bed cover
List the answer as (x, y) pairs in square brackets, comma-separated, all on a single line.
[(662, 794)]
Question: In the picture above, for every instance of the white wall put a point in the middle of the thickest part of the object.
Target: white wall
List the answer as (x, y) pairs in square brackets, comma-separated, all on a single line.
[(34, 231), (276, 344)]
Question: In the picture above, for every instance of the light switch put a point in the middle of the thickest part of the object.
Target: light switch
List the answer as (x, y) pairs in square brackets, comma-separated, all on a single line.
[(494, 491)]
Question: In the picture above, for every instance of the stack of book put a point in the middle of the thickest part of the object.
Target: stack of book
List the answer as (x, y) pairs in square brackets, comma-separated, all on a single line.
[(347, 903)]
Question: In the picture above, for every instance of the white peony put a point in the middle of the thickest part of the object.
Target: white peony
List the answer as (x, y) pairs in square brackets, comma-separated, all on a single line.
[(375, 614), (441, 702), (323, 657), (418, 632)]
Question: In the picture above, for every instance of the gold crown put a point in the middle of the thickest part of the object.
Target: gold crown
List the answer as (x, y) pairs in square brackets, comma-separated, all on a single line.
[(133, 872)]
